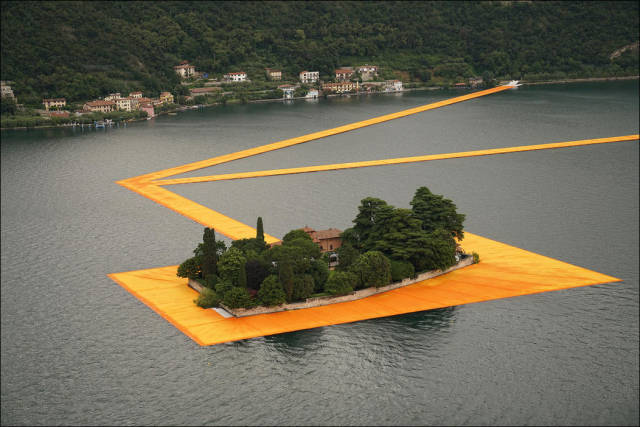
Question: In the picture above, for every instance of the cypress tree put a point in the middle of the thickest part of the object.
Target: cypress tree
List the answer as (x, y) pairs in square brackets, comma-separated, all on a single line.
[(209, 253), (260, 232), (242, 276)]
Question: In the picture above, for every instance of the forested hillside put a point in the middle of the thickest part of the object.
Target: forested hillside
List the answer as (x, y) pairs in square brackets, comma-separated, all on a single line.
[(83, 50)]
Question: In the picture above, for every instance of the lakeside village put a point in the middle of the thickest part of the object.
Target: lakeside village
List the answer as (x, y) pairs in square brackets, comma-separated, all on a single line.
[(387, 248), (197, 90)]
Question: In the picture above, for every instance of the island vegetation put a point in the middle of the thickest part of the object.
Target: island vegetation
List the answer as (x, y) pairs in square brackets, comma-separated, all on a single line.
[(386, 244)]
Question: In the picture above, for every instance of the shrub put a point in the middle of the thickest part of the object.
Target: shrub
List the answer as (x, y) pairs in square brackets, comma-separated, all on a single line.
[(271, 292), (237, 298), (223, 286), (372, 269), (303, 286), (207, 299), (476, 257), (191, 268), (401, 270), (340, 282)]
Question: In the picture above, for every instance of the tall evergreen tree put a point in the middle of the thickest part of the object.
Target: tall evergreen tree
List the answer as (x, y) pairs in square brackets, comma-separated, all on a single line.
[(209, 253), (285, 271), (260, 230)]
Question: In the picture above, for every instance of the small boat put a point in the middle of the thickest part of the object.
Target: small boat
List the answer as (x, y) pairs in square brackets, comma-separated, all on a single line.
[(172, 114), (514, 83)]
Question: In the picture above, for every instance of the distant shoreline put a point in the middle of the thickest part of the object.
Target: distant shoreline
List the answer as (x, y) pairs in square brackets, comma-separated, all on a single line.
[(195, 107)]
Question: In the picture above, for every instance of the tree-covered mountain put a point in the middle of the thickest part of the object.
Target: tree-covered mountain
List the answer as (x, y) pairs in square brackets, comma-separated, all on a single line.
[(83, 50)]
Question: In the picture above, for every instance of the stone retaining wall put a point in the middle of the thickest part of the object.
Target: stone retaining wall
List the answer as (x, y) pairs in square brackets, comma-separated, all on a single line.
[(355, 295)]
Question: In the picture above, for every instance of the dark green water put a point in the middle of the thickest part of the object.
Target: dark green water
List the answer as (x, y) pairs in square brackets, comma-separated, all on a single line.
[(78, 349)]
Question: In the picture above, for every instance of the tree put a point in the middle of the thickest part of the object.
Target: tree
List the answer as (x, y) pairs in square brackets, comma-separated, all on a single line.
[(340, 283), (260, 230), (347, 255), (237, 298), (286, 276), (207, 299), (372, 269), (320, 272), (303, 286), (401, 270), (242, 276), (271, 292), (295, 234), (209, 253), (257, 270), (190, 268), (437, 212), (230, 265)]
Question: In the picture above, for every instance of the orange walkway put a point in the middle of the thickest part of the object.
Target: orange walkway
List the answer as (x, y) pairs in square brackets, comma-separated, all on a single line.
[(504, 271)]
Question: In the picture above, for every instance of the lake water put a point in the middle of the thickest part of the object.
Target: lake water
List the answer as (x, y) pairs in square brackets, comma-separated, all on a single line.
[(79, 349)]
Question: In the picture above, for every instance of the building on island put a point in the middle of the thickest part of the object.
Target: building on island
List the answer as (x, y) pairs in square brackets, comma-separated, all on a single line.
[(5, 87), (273, 74), (54, 102), (288, 91), (343, 74), (166, 97), (340, 87), (185, 70), (368, 72), (99, 106), (137, 94), (328, 240), (239, 76), (309, 76)]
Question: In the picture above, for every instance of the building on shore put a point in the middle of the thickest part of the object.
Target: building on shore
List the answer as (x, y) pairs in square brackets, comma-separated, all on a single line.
[(392, 86), (367, 72), (166, 97), (54, 102), (137, 94), (340, 87), (329, 240), (287, 91), (148, 108), (312, 94), (309, 76), (7, 92), (239, 76), (273, 74), (99, 106), (123, 104), (344, 74), (185, 70), (113, 96)]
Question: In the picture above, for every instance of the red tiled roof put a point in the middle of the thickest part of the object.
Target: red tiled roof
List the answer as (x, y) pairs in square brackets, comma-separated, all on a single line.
[(99, 103), (53, 100), (331, 233)]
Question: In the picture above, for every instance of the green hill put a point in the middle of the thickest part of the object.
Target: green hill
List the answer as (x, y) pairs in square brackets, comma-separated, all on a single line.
[(84, 50)]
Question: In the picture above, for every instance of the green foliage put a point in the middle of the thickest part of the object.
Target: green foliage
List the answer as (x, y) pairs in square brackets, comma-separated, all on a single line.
[(250, 247), (320, 272), (287, 278), (207, 299), (340, 282), (223, 286), (271, 292), (401, 270), (49, 48), (303, 286), (347, 255), (260, 230), (242, 276), (476, 257), (190, 268), (295, 234), (371, 269), (257, 270), (437, 212), (230, 265), (209, 253), (237, 298)]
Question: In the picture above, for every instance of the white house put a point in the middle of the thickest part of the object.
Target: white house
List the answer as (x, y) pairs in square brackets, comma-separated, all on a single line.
[(312, 94), (309, 76), (185, 70), (288, 91), (240, 76)]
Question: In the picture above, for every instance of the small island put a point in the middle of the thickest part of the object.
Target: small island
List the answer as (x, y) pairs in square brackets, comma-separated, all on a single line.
[(387, 248)]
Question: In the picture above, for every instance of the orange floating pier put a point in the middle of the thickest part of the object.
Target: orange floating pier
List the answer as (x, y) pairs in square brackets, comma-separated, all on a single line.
[(504, 271)]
